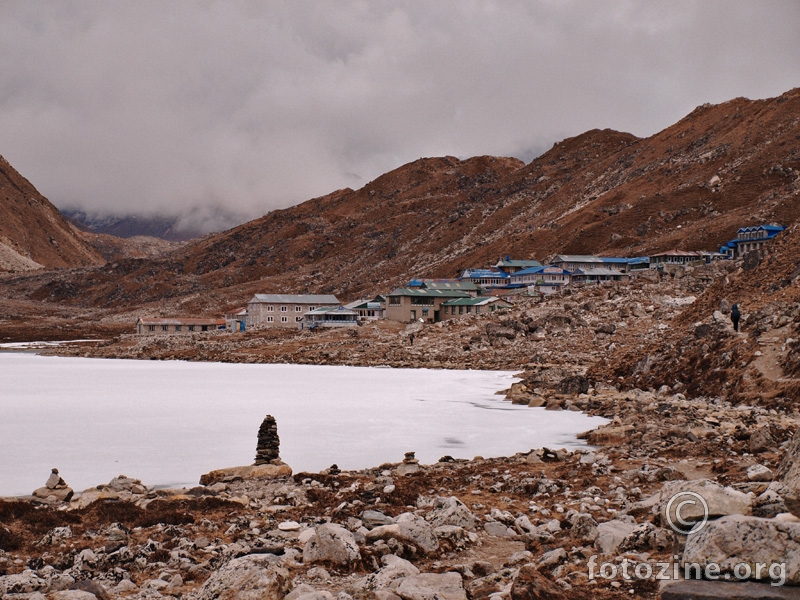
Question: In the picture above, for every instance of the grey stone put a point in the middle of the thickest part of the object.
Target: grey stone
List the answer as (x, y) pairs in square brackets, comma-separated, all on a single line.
[(552, 558), (759, 473), (374, 518), (394, 568), (761, 440), (689, 589), (720, 501), (72, 595), (789, 472), (451, 511), (408, 528), (497, 529), (740, 539), (251, 577), (611, 534), (306, 592), (432, 586), (21, 583), (331, 544)]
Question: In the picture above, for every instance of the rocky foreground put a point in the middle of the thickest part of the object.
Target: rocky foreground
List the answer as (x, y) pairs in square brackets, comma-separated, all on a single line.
[(694, 407)]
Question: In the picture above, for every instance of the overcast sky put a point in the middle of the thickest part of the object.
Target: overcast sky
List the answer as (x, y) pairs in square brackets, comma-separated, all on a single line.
[(138, 106)]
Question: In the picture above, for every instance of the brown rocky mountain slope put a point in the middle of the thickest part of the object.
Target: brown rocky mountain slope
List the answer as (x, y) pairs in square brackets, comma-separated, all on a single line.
[(690, 186), (32, 232)]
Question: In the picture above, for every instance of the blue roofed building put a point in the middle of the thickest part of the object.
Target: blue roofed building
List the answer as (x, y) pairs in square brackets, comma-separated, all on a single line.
[(486, 278), (750, 238)]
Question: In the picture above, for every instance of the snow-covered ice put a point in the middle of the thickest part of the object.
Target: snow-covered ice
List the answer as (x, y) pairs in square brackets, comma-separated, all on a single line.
[(167, 423)]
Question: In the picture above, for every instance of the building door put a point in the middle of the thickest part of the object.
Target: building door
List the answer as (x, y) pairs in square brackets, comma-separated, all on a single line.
[(436, 317), (413, 315)]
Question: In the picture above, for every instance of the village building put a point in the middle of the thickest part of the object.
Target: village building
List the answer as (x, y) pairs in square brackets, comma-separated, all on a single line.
[(472, 306), (541, 274), (369, 310), (573, 262), (236, 321), (168, 326), (329, 316), (415, 304), (673, 258), (512, 265), (284, 310), (597, 274), (486, 278), (749, 239), (445, 284)]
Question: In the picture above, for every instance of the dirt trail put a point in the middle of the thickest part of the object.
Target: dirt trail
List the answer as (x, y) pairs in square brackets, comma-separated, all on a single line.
[(772, 350)]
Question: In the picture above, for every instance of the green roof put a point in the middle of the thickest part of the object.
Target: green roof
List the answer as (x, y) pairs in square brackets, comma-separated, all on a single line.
[(472, 301), (429, 293)]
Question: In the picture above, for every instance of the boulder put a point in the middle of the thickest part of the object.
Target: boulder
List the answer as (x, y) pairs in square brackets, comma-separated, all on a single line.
[(251, 577), (331, 544), (611, 534), (374, 518), (394, 568), (529, 584), (690, 589), (451, 511), (761, 441), (432, 586), (737, 539), (22, 583), (789, 472), (306, 592), (759, 473), (408, 528), (248, 472), (719, 501)]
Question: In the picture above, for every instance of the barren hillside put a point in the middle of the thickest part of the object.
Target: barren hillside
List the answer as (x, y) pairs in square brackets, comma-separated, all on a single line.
[(33, 234)]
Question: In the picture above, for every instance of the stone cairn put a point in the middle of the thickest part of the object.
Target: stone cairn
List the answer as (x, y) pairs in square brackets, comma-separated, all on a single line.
[(267, 449)]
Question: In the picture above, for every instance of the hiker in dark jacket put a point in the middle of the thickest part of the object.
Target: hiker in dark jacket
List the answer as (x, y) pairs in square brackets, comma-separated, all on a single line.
[(735, 316)]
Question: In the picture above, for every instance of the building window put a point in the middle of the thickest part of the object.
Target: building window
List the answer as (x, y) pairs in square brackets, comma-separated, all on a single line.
[(394, 300), (461, 310), (284, 319), (424, 312), (270, 308), (298, 319), (165, 328), (151, 328), (469, 309), (298, 308), (270, 319), (178, 327), (477, 310), (191, 327), (284, 308), (310, 308), (204, 327)]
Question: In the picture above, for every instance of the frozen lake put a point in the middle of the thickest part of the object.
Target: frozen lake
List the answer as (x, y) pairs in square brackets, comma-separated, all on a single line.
[(167, 423)]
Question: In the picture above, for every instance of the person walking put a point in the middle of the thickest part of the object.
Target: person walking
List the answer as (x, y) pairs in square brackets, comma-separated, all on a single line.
[(735, 316)]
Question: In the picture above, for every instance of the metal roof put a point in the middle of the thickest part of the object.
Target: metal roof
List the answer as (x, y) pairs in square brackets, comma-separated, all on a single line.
[(513, 262), (180, 321), (545, 269), (484, 274), (474, 301), (295, 299), (585, 258), (324, 310), (598, 271), (425, 292)]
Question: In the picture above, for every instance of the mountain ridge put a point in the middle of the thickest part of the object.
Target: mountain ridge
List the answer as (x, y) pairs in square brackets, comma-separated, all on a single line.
[(691, 185)]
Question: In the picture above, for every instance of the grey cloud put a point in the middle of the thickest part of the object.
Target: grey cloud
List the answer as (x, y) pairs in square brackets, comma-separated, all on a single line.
[(185, 107)]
